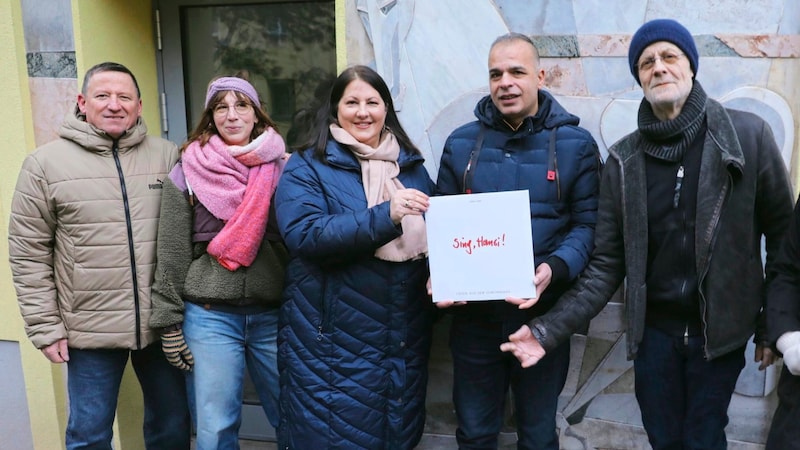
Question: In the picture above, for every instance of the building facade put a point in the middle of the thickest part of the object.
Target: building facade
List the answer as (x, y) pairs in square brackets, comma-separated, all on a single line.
[(433, 55)]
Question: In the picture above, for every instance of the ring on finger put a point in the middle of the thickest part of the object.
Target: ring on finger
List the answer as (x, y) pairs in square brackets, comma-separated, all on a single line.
[(407, 204)]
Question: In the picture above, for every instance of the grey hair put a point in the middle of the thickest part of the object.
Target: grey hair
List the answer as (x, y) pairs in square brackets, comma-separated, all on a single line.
[(513, 36)]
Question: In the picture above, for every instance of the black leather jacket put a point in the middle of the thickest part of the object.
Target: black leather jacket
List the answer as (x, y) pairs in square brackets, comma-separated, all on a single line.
[(743, 194)]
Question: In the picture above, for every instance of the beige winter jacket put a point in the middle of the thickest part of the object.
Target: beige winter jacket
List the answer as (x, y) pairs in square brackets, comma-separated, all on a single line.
[(82, 236)]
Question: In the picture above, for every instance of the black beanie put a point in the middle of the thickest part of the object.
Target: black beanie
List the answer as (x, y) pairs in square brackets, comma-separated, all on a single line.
[(661, 30)]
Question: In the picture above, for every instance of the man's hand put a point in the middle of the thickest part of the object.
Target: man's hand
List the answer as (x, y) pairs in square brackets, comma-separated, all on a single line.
[(57, 352), (764, 355), (524, 346), (176, 351), (541, 279), (444, 303)]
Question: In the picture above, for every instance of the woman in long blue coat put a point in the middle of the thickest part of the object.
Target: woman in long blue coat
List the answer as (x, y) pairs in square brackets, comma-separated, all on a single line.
[(355, 324)]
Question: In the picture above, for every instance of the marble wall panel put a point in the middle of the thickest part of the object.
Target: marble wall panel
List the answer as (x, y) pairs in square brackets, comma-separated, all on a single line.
[(790, 20), (52, 64), (759, 46), (48, 25), (564, 76), (551, 17), (51, 100), (721, 16), (603, 17)]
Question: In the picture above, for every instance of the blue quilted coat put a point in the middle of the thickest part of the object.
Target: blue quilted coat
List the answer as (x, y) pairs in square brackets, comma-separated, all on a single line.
[(355, 330)]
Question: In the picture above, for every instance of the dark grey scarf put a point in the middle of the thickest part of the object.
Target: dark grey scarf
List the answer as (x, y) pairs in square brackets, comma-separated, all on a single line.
[(669, 139)]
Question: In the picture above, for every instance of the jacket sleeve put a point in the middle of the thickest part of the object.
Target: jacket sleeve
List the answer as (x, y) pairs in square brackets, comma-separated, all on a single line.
[(783, 297), (603, 275), (31, 240), (578, 243), (774, 218), (173, 257), (311, 230), (447, 182)]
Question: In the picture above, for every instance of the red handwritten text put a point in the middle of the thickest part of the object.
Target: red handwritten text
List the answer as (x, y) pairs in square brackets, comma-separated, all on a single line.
[(461, 243), (468, 245)]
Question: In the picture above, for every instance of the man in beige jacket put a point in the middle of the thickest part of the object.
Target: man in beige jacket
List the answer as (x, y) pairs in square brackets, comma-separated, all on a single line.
[(82, 241)]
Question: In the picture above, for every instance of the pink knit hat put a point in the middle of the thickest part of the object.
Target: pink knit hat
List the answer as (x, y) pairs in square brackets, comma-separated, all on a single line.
[(232, 84)]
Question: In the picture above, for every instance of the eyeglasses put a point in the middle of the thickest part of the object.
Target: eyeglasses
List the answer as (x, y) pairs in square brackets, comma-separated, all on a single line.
[(241, 108), (667, 58)]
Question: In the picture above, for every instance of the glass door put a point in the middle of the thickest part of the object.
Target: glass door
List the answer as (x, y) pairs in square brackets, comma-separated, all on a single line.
[(288, 49)]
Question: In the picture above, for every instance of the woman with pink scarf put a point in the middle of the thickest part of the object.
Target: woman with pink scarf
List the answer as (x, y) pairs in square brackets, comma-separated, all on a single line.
[(221, 261)]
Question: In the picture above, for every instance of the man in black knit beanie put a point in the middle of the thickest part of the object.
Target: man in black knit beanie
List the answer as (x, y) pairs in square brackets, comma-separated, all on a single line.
[(684, 203)]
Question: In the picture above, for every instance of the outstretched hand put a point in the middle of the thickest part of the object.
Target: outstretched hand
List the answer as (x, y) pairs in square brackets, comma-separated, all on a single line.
[(524, 346)]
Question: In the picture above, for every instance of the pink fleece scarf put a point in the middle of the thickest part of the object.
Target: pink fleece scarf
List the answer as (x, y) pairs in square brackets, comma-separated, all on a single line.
[(236, 183)]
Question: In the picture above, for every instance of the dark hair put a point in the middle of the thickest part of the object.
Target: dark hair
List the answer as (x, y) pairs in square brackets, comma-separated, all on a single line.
[(206, 127), (107, 67), (513, 36), (327, 113)]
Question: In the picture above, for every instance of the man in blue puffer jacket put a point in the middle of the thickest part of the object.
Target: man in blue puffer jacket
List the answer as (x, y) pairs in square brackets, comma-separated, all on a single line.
[(523, 139)]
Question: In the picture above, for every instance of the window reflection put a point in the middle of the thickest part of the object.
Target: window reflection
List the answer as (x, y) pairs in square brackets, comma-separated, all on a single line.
[(287, 48)]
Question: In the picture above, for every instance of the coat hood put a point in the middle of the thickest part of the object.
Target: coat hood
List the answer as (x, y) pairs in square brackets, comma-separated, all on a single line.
[(550, 114), (76, 129)]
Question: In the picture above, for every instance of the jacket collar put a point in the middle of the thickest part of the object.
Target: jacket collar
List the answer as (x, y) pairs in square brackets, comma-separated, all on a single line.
[(722, 133), (76, 129)]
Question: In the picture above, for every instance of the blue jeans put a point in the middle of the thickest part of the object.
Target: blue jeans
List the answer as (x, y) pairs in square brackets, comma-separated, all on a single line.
[(222, 343), (93, 382), (482, 375), (684, 398)]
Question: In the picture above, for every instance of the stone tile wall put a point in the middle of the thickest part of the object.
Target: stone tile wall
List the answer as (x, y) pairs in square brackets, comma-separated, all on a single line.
[(52, 69)]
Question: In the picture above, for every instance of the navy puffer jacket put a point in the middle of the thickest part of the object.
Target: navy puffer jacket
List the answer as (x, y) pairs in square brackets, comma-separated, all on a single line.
[(355, 330), (563, 203)]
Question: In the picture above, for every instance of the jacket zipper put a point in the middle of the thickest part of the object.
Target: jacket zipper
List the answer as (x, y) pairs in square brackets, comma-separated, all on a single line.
[(678, 183), (683, 295), (128, 223), (683, 247), (717, 215)]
